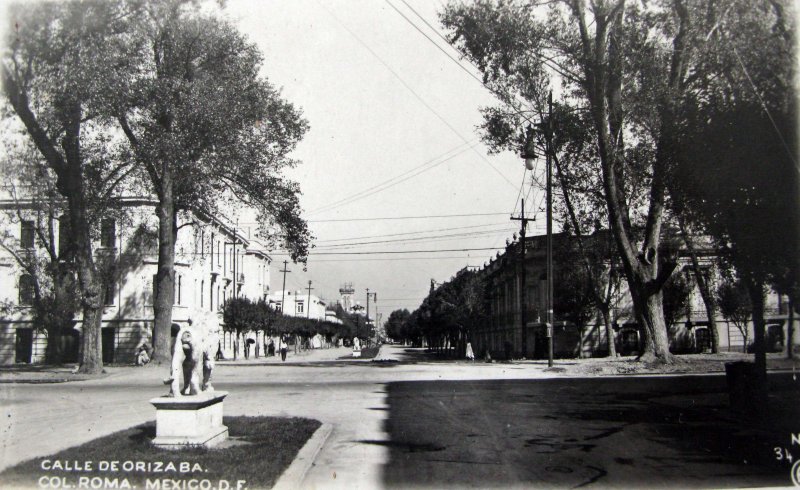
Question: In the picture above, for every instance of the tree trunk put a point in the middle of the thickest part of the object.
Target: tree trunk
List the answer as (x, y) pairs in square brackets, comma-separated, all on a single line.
[(165, 274), (702, 285), (91, 346), (650, 314), (790, 331), (88, 280), (755, 288), (612, 348)]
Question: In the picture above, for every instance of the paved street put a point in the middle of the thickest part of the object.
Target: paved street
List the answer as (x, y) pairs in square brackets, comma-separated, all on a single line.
[(434, 424)]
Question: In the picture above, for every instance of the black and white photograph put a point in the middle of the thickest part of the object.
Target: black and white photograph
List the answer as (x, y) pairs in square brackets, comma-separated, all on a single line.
[(401, 244)]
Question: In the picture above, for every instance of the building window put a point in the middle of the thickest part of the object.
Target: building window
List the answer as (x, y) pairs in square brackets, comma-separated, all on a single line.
[(26, 289), (300, 307), (108, 233), (219, 255), (110, 292), (202, 243), (217, 298), (26, 234), (177, 287), (211, 252)]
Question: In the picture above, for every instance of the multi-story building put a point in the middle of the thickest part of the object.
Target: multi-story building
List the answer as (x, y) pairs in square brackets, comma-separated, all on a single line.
[(502, 334), (299, 303), (213, 262)]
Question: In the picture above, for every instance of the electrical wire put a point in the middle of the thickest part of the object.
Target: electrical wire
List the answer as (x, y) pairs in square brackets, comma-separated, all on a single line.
[(376, 252), (408, 233), (407, 217), (388, 183), (413, 92), (476, 234)]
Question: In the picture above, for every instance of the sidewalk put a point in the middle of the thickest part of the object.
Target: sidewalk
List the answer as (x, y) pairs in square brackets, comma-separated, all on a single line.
[(307, 355)]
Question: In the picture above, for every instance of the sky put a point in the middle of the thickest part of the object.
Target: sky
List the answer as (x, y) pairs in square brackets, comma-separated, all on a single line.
[(393, 135)]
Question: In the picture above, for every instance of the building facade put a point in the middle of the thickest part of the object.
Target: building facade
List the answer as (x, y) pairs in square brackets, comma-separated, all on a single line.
[(299, 303), (213, 262), (502, 335)]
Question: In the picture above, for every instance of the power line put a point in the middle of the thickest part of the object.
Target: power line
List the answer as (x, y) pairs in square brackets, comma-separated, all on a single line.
[(413, 92), (390, 259), (431, 40), (387, 185), (407, 217), (375, 252), (408, 233), (494, 92), (477, 234)]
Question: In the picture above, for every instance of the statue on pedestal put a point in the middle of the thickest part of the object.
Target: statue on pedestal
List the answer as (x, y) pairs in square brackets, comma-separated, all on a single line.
[(193, 357)]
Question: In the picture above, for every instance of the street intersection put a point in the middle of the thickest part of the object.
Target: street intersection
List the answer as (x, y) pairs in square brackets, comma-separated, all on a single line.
[(404, 420)]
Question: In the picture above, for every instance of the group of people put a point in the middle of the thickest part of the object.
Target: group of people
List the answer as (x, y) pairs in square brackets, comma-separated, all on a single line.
[(282, 347)]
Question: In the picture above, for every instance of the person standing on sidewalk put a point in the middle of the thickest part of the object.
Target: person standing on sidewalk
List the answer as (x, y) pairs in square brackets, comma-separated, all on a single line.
[(282, 346)]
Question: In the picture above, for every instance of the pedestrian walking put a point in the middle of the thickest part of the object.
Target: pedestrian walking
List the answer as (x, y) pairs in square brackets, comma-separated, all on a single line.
[(283, 347), (271, 347)]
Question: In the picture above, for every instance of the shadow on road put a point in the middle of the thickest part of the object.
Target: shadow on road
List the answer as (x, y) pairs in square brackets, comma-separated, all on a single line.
[(628, 432)]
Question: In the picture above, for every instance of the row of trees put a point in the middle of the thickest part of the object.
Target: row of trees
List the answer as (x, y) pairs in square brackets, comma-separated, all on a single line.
[(674, 114), (244, 315), (160, 98), (447, 315), (451, 312)]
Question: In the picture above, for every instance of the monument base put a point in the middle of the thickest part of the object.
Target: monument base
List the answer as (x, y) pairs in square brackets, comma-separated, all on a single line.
[(356, 353), (194, 420)]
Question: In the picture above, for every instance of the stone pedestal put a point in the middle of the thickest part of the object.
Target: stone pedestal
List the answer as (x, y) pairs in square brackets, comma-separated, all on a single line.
[(356, 353), (194, 420)]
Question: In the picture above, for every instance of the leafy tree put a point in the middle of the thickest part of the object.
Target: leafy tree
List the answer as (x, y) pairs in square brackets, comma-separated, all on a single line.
[(396, 324), (736, 168), (63, 59), (449, 314), (734, 304), (244, 315), (202, 123), (52, 282), (623, 67)]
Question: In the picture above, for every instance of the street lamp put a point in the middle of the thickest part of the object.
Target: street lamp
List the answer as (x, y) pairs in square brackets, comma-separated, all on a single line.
[(529, 155)]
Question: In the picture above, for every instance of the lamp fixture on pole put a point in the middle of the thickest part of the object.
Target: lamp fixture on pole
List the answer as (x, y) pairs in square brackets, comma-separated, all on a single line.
[(529, 155)]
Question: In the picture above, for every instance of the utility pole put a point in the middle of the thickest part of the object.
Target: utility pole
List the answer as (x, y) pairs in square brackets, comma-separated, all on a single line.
[(523, 306), (308, 308), (548, 138), (283, 291), (366, 320)]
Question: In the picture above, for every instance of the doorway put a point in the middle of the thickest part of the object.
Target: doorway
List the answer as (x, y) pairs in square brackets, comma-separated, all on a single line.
[(109, 334), (24, 345)]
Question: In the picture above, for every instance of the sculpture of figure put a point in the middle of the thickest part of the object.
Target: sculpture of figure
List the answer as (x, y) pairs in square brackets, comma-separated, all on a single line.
[(193, 357)]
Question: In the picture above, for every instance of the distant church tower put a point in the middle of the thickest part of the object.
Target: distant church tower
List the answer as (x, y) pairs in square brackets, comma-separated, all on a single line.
[(347, 291)]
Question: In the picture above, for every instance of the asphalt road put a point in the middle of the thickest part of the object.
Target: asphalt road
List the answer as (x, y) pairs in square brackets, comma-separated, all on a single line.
[(434, 424), (624, 432)]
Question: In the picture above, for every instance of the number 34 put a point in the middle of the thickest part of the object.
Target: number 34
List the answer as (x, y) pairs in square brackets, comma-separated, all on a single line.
[(782, 453)]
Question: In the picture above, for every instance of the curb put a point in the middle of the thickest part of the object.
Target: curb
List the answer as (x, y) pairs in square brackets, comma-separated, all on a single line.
[(294, 475)]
